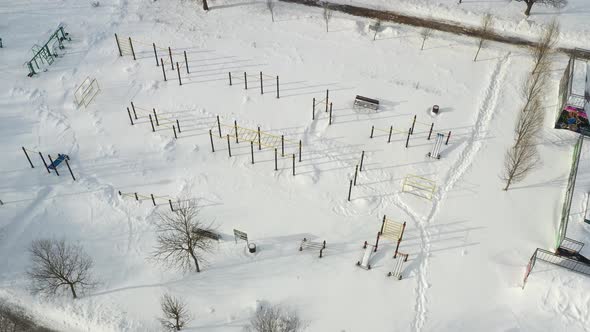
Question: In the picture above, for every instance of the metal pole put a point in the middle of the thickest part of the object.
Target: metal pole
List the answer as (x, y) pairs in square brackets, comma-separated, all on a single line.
[(261, 85), (156, 117), (330, 121), (245, 81), (313, 110), (299, 150), (132, 51), (170, 54), (136, 198), (44, 163), (413, 123), (362, 158), (430, 132), (219, 126), (152, 122), (276, 163), (178, 126), (282, 145), (163, 70), (174, 129), (372, 130), (236, 129), (153, 199), (118, 46), (186, 63), (178, 70), (408, 138), (156, 55), (211, 137), (229, 73), (170, 201), (259, 140), (293, 164), (448, 137), (70, 169), (278, 87), (349, 190), (228, 146), (356, 170), (54, 167), (27, 155), (133, 108), (327, 95), (252, 151)]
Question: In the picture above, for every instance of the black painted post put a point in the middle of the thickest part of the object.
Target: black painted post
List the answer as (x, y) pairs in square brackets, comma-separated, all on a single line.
[(136, 198), (408, 139), (252, 151), (299, 150), (156, 117), (27, 155), (153, 199), (186, 63), (70, 169), (219, 126), (44, 163), (174, 129), (362, 158), (261, 85), (245, 81), (178, 70), (229, 73), (236, 129), (170, 201), (118, 46), (330, 121), (390, 131), (211, 137), (282, 145), (178, 126), (278, 87), (430, 132), (313, 110), (448, 137), (259, 139), (276, 163), (152, 122), (413, 123), (327, 95), (163, 70), (349, 190), (134, 113), (293, 164), (54, 168), (356, 171), (372, 131), (228, 146), (156, 55), (132, 51), (170, 54)]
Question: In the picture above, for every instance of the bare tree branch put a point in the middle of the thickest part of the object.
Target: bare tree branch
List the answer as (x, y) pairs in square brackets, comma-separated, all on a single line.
[(552, 3), (270, 5), (175, 313), (273, 318), (327, 14), (486, 28), (425, 34)]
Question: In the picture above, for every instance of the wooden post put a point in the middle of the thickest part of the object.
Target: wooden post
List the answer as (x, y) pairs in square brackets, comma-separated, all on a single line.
[(219, 126), (152, 122), (372, 131), (276, 163), (132, 51), (153, 199), (259, 140), (261, 85), (278, 96), (229, 73), (299, 150), (118, 46), (178, 70), (54, 168), (430, 132), (356, 171), (252, 151), (390, 131), (313, 110), (178, 126), (174, 129), (413, 123), (362, 158), (156, 55), (171, 208), (228, 146), (44, 163), (133, 108), (448, 137), (70, 169), (330, 121), (245, 81), (163, 70), (211, 137), (186, 63), (327, 95), (349, 190), (170, 54), (136, 197), (156, 117), (27, 155), (282, 145), (408, 138), (293, 164), (130, 118), (236, 129)]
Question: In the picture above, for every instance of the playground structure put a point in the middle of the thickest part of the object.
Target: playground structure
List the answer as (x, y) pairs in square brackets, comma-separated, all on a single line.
[(419, 186), (365, 261), (311, 245), (53, 164), (327, 105), (363, 103), (398, 266), (140, 197), (45, 55), (86, 92), (154, 117), (573, 106), (435, 153), (391, 230)]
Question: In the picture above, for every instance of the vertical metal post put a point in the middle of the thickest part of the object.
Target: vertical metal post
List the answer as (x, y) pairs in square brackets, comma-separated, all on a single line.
[(136, 197), (327, 97), (313, 110), (228, 146), (156, 118), (430, 132), (70, 169), (413, 123), (27, 155), (252, 151), (133, 108), (219, 126), (448, 137), (178, 126), (236, 129), (152, 122), (330, 121), (282, 145), (118, 46), (362, 158), (54, 167), (163, 70), (293, 164), (408, 138), (390, 131), (276, 163), (349, 190), (174, 129), (259, 139), (170, 202), (278, 95), (132, 51), (299, 150), (156, 55), (245, 81), (211, 137), (186, 63), (356, 171), (44, 163), (229, 74), (170, 54), (178, 70), (153, 199), (261, 85), (372, 131)]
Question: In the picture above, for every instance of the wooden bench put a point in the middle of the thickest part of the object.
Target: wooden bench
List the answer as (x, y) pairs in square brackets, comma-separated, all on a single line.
[(365, 102)]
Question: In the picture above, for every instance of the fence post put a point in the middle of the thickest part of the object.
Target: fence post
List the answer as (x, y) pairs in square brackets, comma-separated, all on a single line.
[(293, 164), (163, 70), (118, 46), (282, 145), (178, 70), (70, 169), (229, 73), (278, 96), (413, 123), (390, 131), (219, 126), (252, 151), (430, 132), (261, 85), (362, 157), (236, 129), (372, 131), (171, 208), (133, 108), (170, 54), (349, 190), (152, 122), (356, 170), (299, 150), (153, 199), (259, 141), (174, 129), (130, 118), (245, 81), (186, 63), (448, 137), (44, 163), (330, 121), (276, 163), (156, 118), (327, 95), (132, 51), (156, 55), (228, 146), (54, 168), (136, 197), (313, 110), (211, 137), (27, 155), (408, 138), (178, 126)]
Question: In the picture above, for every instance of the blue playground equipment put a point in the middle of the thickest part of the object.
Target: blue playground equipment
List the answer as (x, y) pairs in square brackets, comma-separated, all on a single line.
[(59, 160)]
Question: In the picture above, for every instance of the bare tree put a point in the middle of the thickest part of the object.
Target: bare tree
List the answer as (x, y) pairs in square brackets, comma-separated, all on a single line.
[(486, 29), (273, 318), (182, 237), (376, 27), (546, 44), (270, 5), (327, 14), (175, 313), (520, 159), (425, 34), (58, 265), (552, 3), (205, 5)]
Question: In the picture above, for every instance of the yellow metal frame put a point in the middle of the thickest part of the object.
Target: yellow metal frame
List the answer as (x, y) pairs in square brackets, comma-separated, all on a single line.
[(392, 230), (424, 185), (251, 135)]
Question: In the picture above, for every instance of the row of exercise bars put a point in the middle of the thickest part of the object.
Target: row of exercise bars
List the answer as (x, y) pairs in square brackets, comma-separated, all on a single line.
[(140, 197), (53, 163), (261, 77), (435, 153), (262, 139), (155, 121), (45, 55)]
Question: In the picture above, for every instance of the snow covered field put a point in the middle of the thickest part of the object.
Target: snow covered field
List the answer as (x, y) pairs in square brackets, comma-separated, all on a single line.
[(467, 247)]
